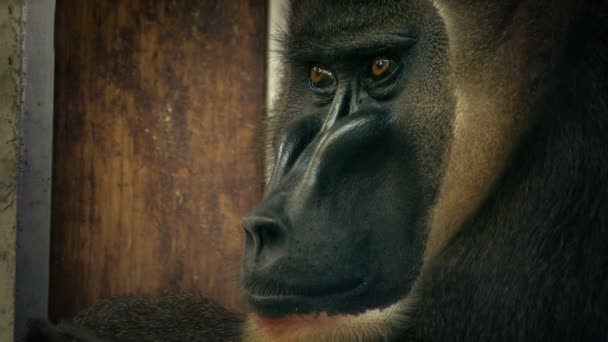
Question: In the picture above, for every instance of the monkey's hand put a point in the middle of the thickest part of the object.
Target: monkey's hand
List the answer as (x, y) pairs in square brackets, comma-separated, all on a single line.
[(43, 331)]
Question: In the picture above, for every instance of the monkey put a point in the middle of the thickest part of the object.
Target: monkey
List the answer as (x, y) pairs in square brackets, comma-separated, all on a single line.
[(436, 173)]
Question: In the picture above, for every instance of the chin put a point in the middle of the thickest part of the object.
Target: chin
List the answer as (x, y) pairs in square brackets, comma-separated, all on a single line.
[(370, 325)]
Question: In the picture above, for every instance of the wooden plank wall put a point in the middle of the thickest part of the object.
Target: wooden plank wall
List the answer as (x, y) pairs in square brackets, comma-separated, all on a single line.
[(158, 108)]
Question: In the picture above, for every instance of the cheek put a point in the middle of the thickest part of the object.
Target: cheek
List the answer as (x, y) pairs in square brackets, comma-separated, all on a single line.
[(425, 116)]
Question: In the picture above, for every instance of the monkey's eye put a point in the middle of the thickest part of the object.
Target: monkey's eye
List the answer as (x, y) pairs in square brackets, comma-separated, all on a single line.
[(383, 76), (381, 66), (321, 78)]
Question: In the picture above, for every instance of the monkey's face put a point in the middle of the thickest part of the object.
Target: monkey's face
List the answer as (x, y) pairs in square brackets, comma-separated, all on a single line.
[(356, 147)]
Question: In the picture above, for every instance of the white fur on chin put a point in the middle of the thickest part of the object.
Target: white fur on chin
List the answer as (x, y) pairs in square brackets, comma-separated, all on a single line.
[(371, 325)]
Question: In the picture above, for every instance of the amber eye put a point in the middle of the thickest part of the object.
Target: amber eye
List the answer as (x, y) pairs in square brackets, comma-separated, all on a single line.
[(320, 77), (380, 66)]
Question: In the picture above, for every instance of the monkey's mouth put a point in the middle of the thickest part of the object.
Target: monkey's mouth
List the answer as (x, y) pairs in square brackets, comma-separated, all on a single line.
[(331, 298)]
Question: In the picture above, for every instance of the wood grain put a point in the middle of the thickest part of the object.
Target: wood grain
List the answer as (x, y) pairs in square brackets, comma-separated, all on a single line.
[(157, 111)]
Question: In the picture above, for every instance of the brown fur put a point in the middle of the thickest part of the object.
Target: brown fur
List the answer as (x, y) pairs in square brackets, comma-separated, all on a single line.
[(170, 318), (500, 56)]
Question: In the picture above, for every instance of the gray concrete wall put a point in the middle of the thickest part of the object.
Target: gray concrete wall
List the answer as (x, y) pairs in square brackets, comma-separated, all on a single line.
[(10, 75), (26, 108), (36, 140)]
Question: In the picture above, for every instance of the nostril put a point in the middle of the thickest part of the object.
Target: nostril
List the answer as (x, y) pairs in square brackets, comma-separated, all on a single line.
[(269, 235), (263, 234)]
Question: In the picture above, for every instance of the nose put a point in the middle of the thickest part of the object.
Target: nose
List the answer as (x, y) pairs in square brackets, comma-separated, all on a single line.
[(265, 238)]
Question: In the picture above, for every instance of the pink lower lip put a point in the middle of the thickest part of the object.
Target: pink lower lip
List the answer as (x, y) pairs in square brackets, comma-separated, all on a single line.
[(292, 323)]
